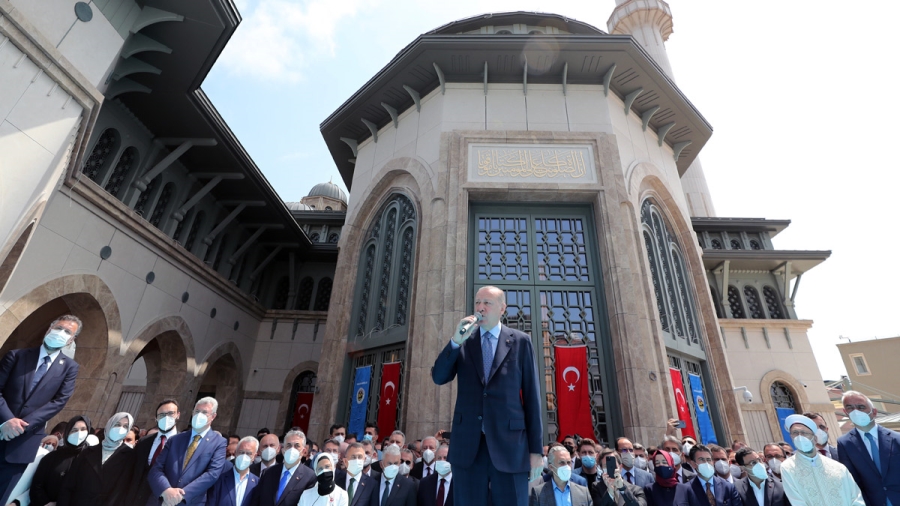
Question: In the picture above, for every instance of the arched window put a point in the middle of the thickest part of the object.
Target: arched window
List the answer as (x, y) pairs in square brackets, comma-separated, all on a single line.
[(129, 161), (162, 203), (385, 268), (314, 237), (716, 244), (328, 208), (281, 293), (674, 295), (504, 32), (304, 294), (323, 295), (773, 303), (333, 238), (736, 244), (102, 155), (142, 206), (734, 302), (754, 306), (782, 396)]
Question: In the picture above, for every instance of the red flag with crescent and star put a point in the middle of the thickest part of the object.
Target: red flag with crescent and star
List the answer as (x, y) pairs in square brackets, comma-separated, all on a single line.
[(681, 402), (573, 400), (301, 411), (387, 404)]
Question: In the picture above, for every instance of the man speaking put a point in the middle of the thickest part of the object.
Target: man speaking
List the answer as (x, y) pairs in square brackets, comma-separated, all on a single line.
[(497, 432)]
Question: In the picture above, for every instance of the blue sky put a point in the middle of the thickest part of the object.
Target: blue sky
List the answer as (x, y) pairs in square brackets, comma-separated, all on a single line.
[(799, 95)]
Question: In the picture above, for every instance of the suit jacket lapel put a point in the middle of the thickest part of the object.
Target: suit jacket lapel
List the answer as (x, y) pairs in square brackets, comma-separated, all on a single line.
[(30, 362), (503, 341), (769, 496), (863, 447), (395, 489), (196, 451), (474, 352), (885, 448), (547, 496), (357, 493)]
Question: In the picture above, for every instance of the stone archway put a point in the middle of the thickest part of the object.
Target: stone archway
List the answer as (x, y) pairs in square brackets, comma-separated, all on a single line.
[(12, 258), (222, 376)]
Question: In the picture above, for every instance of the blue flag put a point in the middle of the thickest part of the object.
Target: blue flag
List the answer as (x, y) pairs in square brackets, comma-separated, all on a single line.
[(707, 433), (782, 414), (360, 400)]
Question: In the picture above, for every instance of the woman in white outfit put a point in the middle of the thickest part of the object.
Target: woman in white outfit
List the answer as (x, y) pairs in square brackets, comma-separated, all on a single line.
[(326, 493)]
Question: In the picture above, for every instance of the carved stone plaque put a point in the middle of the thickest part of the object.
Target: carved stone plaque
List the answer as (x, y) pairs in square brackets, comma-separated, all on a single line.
[(532, 163)]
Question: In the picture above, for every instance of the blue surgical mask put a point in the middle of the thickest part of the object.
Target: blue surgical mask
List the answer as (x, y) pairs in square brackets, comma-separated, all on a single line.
[(367, 437), (56, 339), (588, 462)]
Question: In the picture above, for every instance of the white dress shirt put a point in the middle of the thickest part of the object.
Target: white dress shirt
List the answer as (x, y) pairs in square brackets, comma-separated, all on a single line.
[(426, 467), (43, 354), (156, 442), (447, 480), (759, 492), (355, 485), (381, 486), (240, 486), (862, 434)]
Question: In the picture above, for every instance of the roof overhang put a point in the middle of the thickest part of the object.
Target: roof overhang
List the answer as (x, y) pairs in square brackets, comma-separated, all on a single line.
[(773, 227), (518, 17), (764, 260), (583, 59)]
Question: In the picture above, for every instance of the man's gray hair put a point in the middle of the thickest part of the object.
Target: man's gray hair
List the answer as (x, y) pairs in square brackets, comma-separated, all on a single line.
[(292, 433), (637, 446), (671, 439), (249, 439), (444, 446), (431, 437), (391, 450), (556, 449), (396, 432), (367, 442), (848, 393), (68, 318), (208, 400), (406, 450)]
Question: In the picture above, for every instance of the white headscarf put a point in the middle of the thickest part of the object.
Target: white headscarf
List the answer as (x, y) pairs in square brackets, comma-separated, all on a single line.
[(109, 444)]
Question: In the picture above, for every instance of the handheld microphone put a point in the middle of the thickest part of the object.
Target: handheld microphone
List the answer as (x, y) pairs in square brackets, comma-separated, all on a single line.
[(466, 327)]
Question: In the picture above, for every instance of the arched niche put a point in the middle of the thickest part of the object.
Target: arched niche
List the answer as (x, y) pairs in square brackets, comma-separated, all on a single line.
[(222, 376), (288, 394), (12, 258)]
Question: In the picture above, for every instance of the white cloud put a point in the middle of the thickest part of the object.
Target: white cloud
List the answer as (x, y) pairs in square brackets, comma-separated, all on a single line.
[(277, 38)]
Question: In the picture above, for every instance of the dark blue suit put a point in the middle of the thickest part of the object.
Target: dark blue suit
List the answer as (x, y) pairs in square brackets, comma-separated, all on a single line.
[(679, 495), (365, 489), (223, 492), (505, 405), (428, 489), (302, 479), (48, 398), (200, 474), (726, 494), (876, 487)]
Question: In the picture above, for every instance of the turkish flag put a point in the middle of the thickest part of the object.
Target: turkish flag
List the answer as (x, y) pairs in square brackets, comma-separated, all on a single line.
[(387, 404), (302, 408), (681, 402), (573, 400)]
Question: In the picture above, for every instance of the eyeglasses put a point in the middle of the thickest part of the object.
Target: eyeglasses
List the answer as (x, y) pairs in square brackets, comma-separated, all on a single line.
[(407, 462), (795, 433), (160, 416), (626, 450), (204, 411), (298, 445)]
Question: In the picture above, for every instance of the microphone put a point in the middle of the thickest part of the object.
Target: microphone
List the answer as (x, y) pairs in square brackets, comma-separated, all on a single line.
[(466, 327)]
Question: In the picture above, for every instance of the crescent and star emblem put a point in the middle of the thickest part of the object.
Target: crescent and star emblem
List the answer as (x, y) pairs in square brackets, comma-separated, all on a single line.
[(300, 410), (577, 376), (393, 387)]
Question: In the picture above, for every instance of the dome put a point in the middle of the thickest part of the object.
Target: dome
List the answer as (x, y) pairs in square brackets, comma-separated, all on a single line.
[(329, 190), (297, 206)]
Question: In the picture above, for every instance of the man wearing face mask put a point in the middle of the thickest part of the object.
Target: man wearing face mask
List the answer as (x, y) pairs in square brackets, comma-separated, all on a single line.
[(282, 484), (613, 490), (425, 468), (407, 460), (811, 479), (640, 457), (589, 469), (393, 489), (631, 472), (870, 452), (437, 489), (774, 456), (706, 484), (371, 466), (269, 449), (190, 462), (547, 474), (235, 486), (822, 446), (721, 463), (148, 449), (673, 446), (757, 488), (35, 385), (360, 487), (338, 432), (560, 490)]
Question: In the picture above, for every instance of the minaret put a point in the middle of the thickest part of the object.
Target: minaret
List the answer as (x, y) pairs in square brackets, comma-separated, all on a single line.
[(650, 23)]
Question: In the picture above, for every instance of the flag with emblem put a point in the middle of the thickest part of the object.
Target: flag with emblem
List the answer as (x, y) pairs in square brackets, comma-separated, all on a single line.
[(360, 401), (573, 400), (681, 402), (387, 404), (707, 433), (302, 408)]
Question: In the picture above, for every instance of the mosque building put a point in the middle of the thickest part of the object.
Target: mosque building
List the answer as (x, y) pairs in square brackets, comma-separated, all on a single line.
[(524, 150)]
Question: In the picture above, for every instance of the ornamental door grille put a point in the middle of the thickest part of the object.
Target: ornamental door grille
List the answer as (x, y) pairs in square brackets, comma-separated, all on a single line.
[(546, 263), (377, 358)]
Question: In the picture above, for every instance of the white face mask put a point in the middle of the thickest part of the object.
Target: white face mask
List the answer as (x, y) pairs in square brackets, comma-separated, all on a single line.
[(390, 472), (367, 462), (821, 437), (736, 471), (354, 466), (676, 459), (722, 467), (686, 448), (269, 453), (641, 463), (759, 472), (166, 423), (199, 421), (339, 438), (117, 433), (628, 459), (92, 440), (291, 456), (404, 469), (78, 437), (242, 462), (564, 473), (860, 419), (442, 467), (428, 456), (49, 447), (706, 470), (803, 444), (775, 465)]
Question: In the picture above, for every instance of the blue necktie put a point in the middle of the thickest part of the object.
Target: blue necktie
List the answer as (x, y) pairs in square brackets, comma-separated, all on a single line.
[(41, 371), (283, 483), (387, 491), (487, 354), (871, 441)]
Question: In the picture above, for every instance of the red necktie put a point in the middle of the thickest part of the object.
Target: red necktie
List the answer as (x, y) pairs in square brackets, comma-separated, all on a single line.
[(822, 451), (162, 442), (440, 496)]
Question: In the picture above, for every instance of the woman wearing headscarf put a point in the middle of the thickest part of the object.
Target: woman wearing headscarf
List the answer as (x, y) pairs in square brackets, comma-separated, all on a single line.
[(101, 474), (666, 491), (325, 493), (55, 465)]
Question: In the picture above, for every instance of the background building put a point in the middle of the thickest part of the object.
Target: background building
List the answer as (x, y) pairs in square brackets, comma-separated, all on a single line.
[(871, 369)]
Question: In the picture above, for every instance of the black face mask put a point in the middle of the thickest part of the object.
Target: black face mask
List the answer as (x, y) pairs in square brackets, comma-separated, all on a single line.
[(571, 449), (326, 482)]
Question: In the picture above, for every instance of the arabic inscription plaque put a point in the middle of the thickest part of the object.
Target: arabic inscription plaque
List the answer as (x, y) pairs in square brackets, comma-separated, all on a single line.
[(531, 163)]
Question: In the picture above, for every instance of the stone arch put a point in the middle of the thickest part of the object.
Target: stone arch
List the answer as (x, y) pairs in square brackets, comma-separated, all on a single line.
[(284, 406), (25, 322), (15, 252), (221, 375), (793, 384)]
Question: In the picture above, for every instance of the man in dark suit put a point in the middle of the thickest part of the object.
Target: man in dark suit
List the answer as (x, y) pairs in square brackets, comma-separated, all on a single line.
[(425, 467), (822, 446), (269, 450), (545, 493), (35, 385), (757, 488), (496, 442), (672, 445), (615, 491), (148, 450), (237, 486), (393, 489), (282, 484), (437, 489), (707, 485), (360, 487), (191, 462), (870, 452), (630, 472)]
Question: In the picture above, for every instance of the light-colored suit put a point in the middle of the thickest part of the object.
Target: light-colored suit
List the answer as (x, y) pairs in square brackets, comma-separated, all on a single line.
[(541, 494)]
